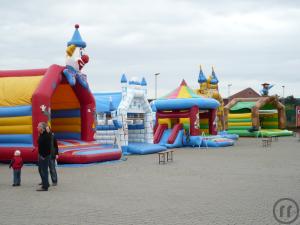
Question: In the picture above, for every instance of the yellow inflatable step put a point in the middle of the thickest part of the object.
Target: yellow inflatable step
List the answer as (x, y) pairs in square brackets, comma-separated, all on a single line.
[(184, 120), (240, 124), (267, 123), (204, 121), (239, 115), (66, 128), (18, 120), (206, 131), (165, 121), (21, 129)]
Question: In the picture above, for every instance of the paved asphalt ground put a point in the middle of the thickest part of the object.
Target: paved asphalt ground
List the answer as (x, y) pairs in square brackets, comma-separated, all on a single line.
[(228, 186)]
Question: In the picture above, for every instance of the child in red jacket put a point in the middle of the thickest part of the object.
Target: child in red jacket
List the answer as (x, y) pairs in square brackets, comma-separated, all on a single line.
[(17, 164)]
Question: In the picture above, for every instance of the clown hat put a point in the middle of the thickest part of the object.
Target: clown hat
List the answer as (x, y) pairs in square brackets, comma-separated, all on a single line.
[(265, 84), (76, 39)]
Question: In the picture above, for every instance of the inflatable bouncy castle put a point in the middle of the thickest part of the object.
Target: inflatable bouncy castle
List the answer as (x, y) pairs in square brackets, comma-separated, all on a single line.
[(263, 116), (57, 95), (182, 117), (125, 118), (209, 87)]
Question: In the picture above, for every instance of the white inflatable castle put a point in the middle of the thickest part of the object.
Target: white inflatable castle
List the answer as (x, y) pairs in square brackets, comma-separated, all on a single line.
[(125, 118)]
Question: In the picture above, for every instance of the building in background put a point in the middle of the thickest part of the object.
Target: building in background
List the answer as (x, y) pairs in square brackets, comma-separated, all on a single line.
[(246, 93)]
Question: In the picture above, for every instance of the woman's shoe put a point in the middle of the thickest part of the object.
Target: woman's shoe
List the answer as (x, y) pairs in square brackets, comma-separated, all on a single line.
[(42, 189)]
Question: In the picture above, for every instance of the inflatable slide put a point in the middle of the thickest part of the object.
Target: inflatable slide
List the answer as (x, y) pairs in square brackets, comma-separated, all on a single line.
[(171, 138)]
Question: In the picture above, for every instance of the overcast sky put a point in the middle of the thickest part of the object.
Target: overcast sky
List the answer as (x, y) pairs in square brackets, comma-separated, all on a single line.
[(248, 42)]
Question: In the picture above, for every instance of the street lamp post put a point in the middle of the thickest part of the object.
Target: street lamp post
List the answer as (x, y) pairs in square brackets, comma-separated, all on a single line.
[(229, 86), (283, 100), (156, 84)]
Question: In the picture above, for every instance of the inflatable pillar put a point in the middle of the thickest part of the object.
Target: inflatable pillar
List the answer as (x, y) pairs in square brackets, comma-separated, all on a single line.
[(194, 121), (41, 98), (211, 121)]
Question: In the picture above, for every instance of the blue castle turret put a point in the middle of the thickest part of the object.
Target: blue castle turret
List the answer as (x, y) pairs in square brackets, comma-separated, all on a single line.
[(123, 78), (144, 82), (214, 79), (201, 78)]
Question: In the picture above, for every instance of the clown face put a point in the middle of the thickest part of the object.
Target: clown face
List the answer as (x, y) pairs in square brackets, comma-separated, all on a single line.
[(76, 57)]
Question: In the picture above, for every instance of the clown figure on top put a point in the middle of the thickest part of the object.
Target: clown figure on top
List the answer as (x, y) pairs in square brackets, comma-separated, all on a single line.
[(265, 89), (75, 60)]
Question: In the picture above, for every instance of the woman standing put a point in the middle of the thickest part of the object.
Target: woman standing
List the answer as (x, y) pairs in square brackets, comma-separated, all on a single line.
[(44, 145), (53, 157)]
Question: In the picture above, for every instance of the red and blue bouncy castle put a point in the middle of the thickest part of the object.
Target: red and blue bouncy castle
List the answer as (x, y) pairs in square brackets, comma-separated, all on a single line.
[(59, 96), (28, 97)]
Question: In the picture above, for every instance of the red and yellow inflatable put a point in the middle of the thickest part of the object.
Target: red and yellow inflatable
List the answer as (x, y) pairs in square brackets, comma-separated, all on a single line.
[(28, 97)]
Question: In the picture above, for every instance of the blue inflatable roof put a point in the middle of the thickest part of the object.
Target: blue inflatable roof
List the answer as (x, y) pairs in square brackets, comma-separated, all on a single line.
[(183, 97), (106, 102), (185, 103)]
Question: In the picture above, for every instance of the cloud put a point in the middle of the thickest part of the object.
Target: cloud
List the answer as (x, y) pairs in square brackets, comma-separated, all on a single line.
[(249, 42)]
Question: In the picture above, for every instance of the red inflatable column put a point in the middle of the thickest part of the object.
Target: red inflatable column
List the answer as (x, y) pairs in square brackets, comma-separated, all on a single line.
[(211, 121), (41, 98), (156, 122), (87, 110), (88, 125), (194, 121)]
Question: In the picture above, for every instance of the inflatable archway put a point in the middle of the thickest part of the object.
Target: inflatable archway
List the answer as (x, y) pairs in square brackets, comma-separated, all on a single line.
[(247, 116)]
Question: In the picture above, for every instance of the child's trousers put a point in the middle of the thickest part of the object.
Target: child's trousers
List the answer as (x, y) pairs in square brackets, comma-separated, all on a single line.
[(17, 177)]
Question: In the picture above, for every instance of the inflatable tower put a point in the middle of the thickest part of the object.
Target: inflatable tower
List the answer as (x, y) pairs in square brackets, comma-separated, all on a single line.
[(209, 87)]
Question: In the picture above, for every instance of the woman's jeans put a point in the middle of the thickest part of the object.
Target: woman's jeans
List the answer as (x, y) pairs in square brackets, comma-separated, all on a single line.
[(52, 169), (43, 170)]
